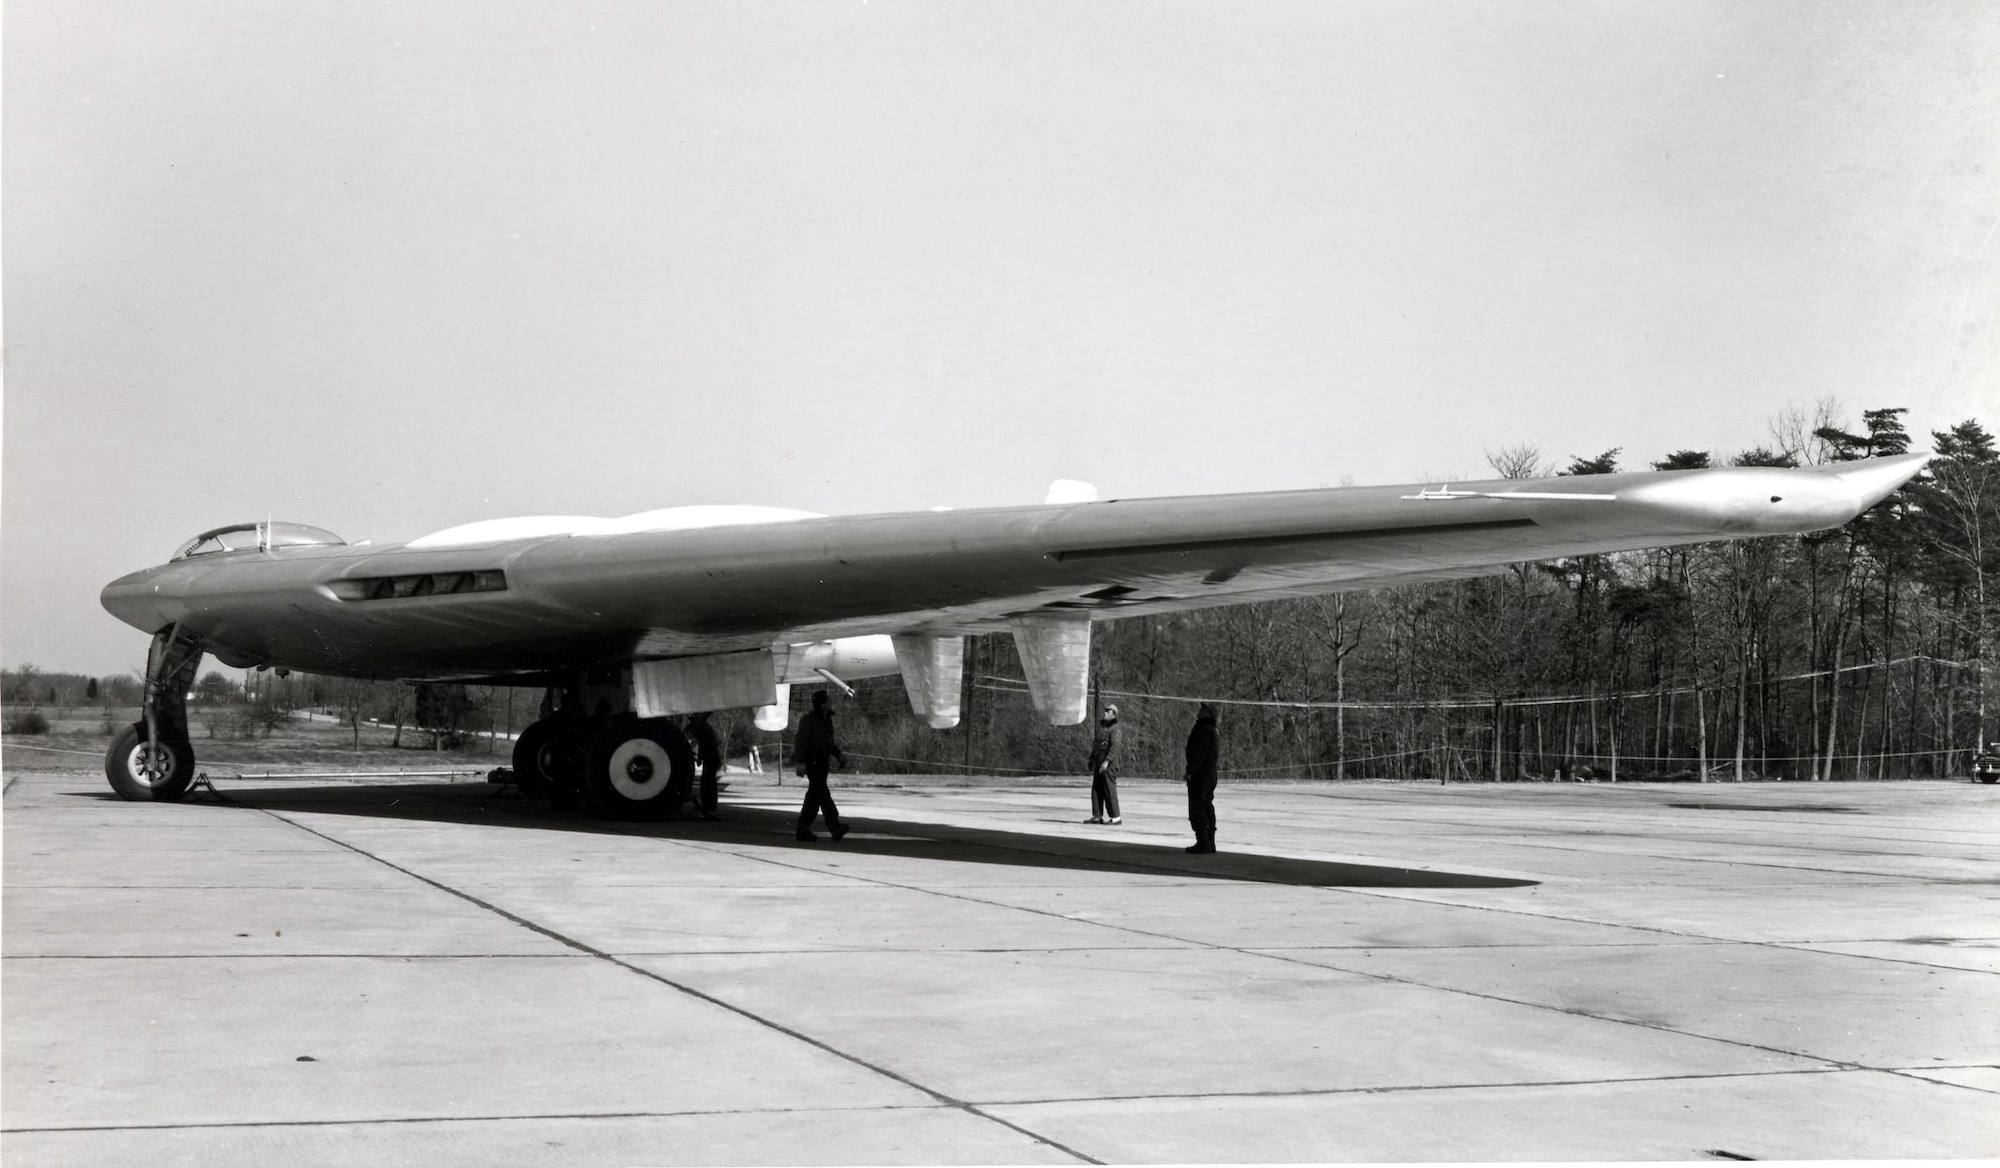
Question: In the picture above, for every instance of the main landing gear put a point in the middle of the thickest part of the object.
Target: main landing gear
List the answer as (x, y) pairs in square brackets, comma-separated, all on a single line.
[(548, 759), (624, 767)]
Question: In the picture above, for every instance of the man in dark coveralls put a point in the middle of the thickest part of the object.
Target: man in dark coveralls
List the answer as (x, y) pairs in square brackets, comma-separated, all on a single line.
[(814, 748), (708, 751), (1202, 756)]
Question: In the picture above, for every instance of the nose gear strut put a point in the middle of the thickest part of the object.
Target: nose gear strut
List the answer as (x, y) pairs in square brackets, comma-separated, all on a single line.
[(153, 759)]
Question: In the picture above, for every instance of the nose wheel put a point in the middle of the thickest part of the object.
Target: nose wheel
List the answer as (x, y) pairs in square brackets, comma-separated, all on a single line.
[(141, 772), (152, 758)]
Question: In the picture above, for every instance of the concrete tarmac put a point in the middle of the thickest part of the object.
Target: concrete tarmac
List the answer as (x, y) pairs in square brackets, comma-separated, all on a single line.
[(430, 973)]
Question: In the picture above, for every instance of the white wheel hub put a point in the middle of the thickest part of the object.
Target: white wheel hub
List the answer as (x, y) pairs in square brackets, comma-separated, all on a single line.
[(161, 766), (640, 768)]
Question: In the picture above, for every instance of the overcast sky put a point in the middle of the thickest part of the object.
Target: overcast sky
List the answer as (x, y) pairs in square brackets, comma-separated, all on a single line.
[(386, 268)]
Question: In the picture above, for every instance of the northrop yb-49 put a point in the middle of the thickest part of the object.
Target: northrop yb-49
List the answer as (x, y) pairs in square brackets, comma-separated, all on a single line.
[(625, 623)]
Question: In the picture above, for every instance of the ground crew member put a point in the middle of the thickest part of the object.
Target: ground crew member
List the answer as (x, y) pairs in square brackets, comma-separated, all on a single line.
[(680, 788), (708, 751), (1104, 769), (1203, 754), (814, 748)]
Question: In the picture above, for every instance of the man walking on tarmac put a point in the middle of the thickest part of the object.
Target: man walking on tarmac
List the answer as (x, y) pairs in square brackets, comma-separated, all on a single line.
[(814, 748), (1202, 756), (708, 751)]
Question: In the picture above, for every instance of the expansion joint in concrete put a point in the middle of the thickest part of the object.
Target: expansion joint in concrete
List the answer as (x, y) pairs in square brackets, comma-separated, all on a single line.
[(690, 991)]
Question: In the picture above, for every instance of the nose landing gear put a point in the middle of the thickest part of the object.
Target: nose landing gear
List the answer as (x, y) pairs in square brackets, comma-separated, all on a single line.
[(138, 771), (152, 759)]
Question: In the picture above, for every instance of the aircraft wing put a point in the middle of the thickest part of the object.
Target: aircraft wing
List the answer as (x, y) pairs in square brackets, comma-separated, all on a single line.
[(497, 604), (967, 570)]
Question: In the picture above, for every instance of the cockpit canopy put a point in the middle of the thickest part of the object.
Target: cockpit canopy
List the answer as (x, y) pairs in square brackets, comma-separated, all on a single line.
[(250, 537)]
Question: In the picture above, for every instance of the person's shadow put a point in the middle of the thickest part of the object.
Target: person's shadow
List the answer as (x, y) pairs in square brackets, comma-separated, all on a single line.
[(484, 804)]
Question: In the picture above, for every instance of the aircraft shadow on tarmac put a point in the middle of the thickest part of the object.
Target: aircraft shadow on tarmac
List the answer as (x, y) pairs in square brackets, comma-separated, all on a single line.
[(477, 803)]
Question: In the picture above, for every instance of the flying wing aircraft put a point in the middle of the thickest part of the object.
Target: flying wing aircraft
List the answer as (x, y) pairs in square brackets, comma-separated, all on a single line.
[(627, 622)]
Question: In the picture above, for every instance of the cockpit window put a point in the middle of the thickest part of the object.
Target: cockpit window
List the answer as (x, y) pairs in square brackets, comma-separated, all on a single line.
[(248, 537)]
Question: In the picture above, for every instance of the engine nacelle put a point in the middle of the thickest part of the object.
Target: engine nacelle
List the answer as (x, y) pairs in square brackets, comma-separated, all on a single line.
[(933, 671), (1055, 657)]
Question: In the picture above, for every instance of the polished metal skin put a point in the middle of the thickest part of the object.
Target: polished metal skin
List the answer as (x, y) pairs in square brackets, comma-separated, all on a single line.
[(605, 593)]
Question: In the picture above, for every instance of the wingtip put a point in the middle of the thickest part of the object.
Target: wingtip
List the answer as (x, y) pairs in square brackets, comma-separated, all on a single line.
[(1872, 480), (1779, 501)]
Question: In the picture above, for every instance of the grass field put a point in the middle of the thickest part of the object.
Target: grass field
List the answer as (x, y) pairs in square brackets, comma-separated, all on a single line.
[(77, 738)]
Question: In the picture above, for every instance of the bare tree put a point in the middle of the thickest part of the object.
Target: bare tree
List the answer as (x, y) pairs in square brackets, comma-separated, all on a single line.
[(1796, 431), (352, 697), (1523, 460), (1339, 635)]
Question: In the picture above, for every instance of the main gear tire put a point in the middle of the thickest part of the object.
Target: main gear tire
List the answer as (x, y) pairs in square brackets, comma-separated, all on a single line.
[(142, 775), (638, 768), (548, 760)]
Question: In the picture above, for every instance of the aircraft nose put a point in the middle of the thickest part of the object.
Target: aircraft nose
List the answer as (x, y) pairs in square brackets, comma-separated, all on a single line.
[(131, 598)]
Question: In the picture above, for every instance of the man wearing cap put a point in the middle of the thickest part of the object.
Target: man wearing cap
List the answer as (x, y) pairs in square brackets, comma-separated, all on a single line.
[(814, 748), (1104, 769), (1202, 756)]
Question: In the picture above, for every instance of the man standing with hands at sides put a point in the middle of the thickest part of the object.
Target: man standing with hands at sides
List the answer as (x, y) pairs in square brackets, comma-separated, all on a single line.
[(1202, 756), (708, 751), (1104, 769), (814, 748)]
